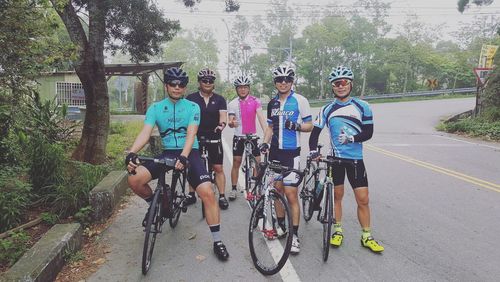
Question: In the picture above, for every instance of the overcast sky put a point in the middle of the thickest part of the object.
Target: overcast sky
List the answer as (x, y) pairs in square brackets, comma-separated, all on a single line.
[(209, 14)]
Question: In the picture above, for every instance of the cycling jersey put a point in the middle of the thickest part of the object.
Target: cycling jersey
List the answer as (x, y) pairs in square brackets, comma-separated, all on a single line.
[(296, 108), (209, 113), (349, 117), (245, 112), (173, 120)]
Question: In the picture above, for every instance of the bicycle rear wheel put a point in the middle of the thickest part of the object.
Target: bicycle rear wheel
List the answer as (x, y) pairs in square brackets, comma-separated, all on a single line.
[(153, 226), (177, 198), (327, 218), (307, 193), (269, 256)]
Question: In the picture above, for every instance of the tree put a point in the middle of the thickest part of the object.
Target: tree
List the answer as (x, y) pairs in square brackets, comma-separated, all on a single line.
[(134, 26), (491, 101), (462, 4), (28, 46)]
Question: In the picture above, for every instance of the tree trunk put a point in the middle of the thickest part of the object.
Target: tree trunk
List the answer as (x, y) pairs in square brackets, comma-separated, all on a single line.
[(90, 69)]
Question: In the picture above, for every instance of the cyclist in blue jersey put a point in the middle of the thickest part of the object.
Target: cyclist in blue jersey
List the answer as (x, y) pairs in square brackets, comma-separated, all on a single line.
[(177, 120), (350, 122), (288, 114)]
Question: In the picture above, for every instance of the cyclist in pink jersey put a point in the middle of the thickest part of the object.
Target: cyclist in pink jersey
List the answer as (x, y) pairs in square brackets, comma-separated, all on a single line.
[(242, 112)]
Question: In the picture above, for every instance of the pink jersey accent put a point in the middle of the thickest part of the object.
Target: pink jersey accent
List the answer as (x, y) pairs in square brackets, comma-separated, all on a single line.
[(246, 113)]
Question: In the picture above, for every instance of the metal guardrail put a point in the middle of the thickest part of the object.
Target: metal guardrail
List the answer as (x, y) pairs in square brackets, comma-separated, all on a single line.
[(413, 94)]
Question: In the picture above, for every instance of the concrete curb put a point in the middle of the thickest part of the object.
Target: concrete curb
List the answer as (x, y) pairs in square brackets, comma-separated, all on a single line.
[(46, 258), (107, 193)]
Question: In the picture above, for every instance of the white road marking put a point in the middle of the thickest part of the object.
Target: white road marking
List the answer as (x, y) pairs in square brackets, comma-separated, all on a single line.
[(288, 272)]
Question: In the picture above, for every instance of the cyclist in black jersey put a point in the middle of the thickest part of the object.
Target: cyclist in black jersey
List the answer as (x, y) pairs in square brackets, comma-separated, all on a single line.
[(213, 109), (178, 120)]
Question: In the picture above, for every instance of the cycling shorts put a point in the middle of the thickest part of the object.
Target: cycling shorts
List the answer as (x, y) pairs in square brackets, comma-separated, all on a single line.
[(289, 158), (356, 174), (197, 173), (215, 153), (239, 147)]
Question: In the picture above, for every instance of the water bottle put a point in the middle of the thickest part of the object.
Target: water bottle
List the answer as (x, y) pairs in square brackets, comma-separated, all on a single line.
[(319, 187)]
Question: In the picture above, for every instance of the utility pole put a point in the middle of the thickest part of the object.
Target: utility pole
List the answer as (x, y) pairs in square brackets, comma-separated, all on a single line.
[(228, 47)]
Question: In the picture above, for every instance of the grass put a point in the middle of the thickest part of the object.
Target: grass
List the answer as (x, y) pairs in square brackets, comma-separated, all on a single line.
[(121, 137), (473, 127)]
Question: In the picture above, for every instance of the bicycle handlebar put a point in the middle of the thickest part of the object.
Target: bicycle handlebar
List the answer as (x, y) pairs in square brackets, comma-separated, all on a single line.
[(249, 137), (208, 141), (276, 167), (168, 162)]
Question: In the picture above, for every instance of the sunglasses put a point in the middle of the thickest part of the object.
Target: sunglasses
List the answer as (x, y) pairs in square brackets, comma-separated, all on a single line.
[(174, 83), (341, 82), (282, 79), (207, 81)]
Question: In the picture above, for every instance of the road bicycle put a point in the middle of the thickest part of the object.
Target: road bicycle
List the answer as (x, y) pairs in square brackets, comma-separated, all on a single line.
[(323, 199), (312, 177), (204, 143), (269, 257), (250, 167), (168, 202)]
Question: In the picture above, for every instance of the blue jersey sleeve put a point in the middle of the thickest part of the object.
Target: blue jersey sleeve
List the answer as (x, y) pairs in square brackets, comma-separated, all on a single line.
[(194, 118), (321, 119), (151, 115)]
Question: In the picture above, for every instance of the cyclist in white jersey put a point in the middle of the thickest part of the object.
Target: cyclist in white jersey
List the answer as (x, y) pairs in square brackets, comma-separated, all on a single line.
[(243, 111), (288, 114)]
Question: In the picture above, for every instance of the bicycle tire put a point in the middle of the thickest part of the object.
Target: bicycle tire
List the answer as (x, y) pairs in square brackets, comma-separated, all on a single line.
[(264, 260), (152, 229), (177, 198), (307, 193), (327, 221)]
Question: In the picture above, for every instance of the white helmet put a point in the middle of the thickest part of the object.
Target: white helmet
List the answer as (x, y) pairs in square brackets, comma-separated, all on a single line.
[(284, 71), (242, 80)]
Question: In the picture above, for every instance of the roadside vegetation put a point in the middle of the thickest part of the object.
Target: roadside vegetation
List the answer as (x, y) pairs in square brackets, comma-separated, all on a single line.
[(38, 178)]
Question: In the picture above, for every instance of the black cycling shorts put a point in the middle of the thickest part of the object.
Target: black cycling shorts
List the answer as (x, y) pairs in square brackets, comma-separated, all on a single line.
[(215, 153), (197, 173), (289, 158), (239, 147), (356, 174)]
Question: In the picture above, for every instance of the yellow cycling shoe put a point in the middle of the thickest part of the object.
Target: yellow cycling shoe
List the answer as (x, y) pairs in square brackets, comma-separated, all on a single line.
[(336, 239), (370, 243)]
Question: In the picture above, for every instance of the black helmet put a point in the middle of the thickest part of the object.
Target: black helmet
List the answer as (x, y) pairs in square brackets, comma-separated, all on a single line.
[(175, 73), (206, 73)]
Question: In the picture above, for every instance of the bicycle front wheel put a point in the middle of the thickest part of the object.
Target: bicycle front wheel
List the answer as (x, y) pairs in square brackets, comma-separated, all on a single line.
[(269, 255), (307, 193), (153, 225), (327, 221), (177, 198)]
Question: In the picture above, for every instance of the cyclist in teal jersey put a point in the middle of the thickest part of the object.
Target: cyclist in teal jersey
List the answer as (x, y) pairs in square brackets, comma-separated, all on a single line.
[(350, 122), (177, 120)]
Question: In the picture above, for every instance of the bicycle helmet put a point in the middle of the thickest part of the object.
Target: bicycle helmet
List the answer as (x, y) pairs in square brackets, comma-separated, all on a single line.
[(284, 71), (175, 73), (340, 72), (242, 80), (206, 73)]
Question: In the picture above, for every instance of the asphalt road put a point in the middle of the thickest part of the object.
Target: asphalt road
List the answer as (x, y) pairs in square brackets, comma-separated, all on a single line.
[(435, 207)]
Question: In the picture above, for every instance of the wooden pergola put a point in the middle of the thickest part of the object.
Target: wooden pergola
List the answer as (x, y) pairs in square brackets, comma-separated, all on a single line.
[(141, 71)]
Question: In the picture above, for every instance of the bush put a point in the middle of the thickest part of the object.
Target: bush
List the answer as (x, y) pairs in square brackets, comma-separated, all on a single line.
[(14, 198), (72, 193), (46, 165), (475, 127), (12, 248)]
